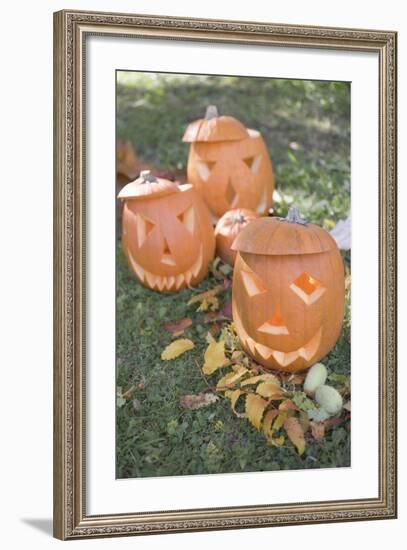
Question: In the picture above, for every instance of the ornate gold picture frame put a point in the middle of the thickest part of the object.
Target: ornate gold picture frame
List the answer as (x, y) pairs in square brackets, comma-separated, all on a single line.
[(71, 31)]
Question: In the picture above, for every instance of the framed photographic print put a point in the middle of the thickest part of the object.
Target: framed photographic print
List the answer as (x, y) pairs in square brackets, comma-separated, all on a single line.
[(225, 274)]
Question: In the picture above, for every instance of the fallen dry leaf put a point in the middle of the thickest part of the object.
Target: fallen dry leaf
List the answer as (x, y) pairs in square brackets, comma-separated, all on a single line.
[(234, 395), (230, 379), (214, 357), (255, 407), (193, 402), (176, 348), (270, 390), (261, 378), (295, 433), (288, 405), (178, 326), (207, 300), (267, 423), (317, 430)]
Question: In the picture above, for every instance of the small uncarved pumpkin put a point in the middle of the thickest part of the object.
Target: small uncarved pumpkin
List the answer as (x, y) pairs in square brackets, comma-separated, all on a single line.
[(229, 164), (167, 233), (228, 228), (288, 292)]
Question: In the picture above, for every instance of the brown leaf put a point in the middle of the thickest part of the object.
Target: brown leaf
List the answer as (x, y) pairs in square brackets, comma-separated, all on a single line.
[(295, 433), (296, 379), (226, 310), (215, 357), (332, 422), (176, 348), (178, 326), (193, 402), (255, 406), (288, 405), (317, 430), (215, 329)]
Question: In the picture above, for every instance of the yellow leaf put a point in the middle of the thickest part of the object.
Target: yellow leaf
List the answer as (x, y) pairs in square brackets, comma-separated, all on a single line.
[(295, 433), (262, 378), (268, 421), (270, 390), (234, 395), (230, 379), (207, 300), (279, 421), (176, 348), (215, 357), (278, 441), (255, 406)]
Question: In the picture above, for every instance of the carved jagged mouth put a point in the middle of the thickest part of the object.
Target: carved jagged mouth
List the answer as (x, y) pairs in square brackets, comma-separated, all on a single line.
[(167, 282), (283, 358)]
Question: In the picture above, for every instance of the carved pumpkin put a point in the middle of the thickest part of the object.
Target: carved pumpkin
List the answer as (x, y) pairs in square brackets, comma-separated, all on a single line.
[(288, 292), (227, 229), (167, 233), (229, 164)]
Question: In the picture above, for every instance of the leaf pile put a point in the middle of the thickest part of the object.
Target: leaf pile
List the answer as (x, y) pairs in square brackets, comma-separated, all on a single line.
[(272, 402)]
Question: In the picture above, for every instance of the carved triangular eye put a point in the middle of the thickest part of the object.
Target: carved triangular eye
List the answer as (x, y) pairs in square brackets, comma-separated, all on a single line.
[(307, 288), (188, 219), (144, 228), (253, 163), (205, 168)]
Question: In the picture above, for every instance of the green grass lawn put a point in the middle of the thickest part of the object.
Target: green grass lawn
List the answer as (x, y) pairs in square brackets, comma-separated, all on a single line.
[(306, 127)]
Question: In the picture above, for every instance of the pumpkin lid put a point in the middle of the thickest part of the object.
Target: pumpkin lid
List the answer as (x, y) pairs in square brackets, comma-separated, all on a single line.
[(283, 236), (146, 186), (233, 220), (215, 128)]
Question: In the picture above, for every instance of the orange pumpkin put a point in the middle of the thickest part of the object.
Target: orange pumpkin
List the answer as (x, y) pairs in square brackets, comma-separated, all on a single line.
[(227, 229), (288, 292), (167, 233), (229, 164)]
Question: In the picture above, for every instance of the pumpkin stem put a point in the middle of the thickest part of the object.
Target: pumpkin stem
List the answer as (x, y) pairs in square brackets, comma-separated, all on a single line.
[(238, 218), (146, 177), (294, 216), (211, 112)]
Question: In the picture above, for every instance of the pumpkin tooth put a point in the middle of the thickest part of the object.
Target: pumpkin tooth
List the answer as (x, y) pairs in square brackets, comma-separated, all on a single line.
[(285, 358), (179, 280), (161, 282), (151, 279), (170, 282), (188, 277), (264, 351), (136, 267), (309, 350), (251, 344), (198, 264)]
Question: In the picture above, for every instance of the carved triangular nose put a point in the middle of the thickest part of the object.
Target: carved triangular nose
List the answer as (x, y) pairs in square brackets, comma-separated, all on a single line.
[(275, 325), (167, 256)]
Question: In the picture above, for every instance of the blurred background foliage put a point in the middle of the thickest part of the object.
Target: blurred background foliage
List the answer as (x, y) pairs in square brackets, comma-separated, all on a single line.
[(306, 125)]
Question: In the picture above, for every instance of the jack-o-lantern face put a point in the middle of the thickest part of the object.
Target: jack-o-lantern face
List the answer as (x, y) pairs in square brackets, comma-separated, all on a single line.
[(230, 167), (288, 293), (167, 236)]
